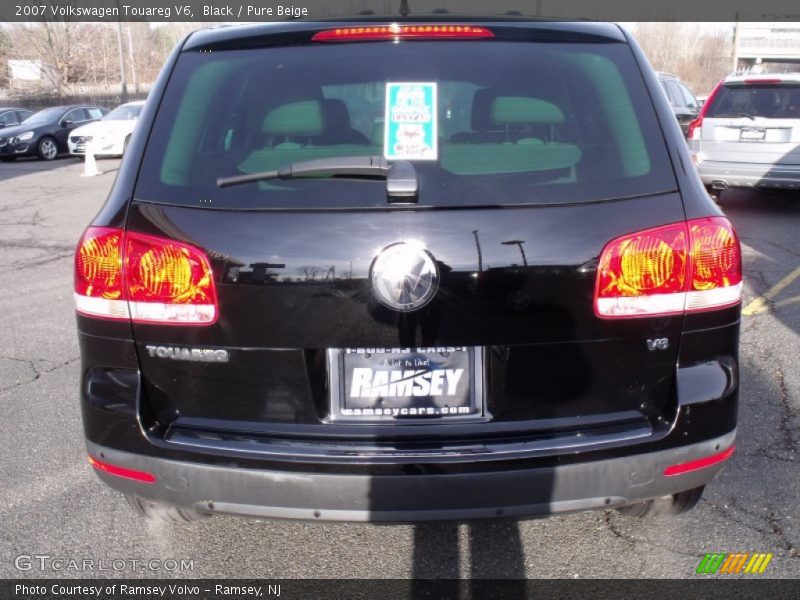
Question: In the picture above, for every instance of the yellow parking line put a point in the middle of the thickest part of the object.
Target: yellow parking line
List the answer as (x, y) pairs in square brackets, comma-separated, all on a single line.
[(759, 305), (791, 300)]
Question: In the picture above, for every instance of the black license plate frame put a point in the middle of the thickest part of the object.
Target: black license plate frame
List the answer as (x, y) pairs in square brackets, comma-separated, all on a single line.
[(358, 398)]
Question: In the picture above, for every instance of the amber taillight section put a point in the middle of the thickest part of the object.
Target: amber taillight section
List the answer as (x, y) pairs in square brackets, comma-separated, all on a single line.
[(98, 263), (129, 275), (716, 258), (667, 270)]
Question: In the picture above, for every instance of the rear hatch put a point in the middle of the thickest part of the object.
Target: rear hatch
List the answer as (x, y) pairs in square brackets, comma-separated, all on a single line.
[(753, 120), (546, 148)]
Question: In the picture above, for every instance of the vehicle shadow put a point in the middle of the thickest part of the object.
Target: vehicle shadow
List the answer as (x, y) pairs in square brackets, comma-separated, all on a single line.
[(491, 550), (29, 166)]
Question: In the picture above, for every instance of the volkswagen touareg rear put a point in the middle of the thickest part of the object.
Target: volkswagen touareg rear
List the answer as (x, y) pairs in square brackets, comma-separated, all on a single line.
[(408, 270)]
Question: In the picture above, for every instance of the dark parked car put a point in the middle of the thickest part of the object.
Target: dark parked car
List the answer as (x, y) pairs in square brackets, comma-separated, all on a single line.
[(10, 116), (683, 101), (44, 134), (491, 287)]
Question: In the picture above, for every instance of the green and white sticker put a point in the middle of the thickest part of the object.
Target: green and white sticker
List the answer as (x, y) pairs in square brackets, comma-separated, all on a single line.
[(410, 125)]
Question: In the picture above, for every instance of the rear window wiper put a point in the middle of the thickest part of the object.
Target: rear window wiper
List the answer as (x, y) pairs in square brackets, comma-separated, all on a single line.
[(401, 177), (737, 115)]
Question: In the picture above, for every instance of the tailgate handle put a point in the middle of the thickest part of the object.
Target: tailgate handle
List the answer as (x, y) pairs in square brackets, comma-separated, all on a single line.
[(402, 185)]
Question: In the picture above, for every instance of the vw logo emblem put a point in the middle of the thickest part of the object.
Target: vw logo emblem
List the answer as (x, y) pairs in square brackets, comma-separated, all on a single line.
[(404, 276)]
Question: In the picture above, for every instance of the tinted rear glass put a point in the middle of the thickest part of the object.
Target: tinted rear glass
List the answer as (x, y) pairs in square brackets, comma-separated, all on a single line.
[(771, 101), (518, 123)]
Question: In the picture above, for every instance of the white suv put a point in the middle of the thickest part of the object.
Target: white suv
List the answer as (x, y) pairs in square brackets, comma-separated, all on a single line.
[(748, 133)]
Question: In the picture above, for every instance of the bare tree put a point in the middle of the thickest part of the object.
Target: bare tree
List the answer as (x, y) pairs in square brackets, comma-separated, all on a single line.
[(699, 57)]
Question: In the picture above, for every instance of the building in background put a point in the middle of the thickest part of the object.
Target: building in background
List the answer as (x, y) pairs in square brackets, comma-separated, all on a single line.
[(762, 45)]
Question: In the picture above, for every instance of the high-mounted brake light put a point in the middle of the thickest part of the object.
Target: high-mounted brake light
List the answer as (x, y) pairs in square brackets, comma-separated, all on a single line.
[(140, 476), (154, 280), (763, 80), (667, 270), (402, 32), (695, 127)]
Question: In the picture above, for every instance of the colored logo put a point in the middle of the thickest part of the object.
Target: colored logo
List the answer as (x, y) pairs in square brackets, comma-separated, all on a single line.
[(411, 130), (733, 563)]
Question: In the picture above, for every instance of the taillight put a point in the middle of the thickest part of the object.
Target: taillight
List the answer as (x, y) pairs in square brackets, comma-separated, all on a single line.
[(146, 278), (716, 260), (168, 281), (670, 269), (694, 131), (401, 32), (98, 274), (695, 126)]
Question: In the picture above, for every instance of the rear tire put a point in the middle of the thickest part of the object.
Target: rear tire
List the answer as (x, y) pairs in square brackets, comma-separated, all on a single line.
[(675, 504), (157, 512)]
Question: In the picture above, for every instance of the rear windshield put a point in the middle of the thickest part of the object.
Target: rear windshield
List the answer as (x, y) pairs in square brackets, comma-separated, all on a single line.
[(126, 112), (517, 123), (771, 101)]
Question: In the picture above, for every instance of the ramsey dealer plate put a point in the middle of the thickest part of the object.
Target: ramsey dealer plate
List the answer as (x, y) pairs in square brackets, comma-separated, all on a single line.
[(412, 384)]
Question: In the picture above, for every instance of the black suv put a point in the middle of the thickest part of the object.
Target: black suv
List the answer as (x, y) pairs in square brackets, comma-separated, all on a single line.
[(408, 270), (683, 101)]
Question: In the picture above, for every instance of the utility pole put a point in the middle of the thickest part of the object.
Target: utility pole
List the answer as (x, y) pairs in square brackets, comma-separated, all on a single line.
[(133, 62), (736, 44), (124, 96)]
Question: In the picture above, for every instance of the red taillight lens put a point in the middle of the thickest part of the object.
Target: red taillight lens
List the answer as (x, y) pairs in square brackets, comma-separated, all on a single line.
[(695, 126), (401, 32), (98, 274), (670, 269), (157, 280), (643, 273), (700, 463), (694, 131), (140, 476), (716, 259), (168, 281)]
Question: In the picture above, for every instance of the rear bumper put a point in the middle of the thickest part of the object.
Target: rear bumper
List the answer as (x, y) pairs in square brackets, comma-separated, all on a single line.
[(514, 493), (734, 174)]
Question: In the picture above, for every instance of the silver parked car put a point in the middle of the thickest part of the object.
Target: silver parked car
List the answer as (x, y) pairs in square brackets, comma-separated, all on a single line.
[(748, 133)]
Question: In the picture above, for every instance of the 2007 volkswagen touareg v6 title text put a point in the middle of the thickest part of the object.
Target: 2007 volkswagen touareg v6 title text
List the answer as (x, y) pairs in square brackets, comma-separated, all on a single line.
[(404, 271)]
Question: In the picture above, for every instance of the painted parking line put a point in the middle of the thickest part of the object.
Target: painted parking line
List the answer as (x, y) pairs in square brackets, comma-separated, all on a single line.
[(787, 301), (762, 303)]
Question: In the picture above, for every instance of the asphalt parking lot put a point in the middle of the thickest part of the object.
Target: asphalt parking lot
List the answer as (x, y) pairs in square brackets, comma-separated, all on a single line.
[(52, 504)]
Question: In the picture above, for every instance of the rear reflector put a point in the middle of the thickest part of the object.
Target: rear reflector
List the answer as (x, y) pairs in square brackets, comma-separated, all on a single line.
[(140, 476), (667, 270), (155, 280), (402, 32), (700, 463)]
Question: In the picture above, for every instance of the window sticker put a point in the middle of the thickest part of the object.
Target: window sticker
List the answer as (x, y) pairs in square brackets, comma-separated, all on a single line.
[(411, 128)]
